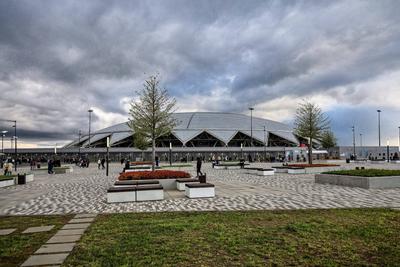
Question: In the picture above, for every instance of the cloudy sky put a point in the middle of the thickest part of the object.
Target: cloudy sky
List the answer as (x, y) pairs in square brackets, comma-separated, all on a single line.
[(60, 58)]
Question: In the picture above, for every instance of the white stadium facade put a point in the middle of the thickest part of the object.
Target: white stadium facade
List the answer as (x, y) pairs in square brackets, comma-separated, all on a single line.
[(228, 135)]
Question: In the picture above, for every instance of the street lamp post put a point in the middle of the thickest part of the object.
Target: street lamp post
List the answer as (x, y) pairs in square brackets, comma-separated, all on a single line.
[(399, 138), (241, 150), (79, 144), (108, 154), (379, 126), (170, 154), (15, 139), (90, 121), (265, 145), (251, 126), (387, 150), (3, 134), (354, 142), (361, 145)]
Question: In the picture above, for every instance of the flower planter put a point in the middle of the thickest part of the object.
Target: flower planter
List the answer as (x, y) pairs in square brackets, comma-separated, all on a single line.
[(383, 182), (8, 182)]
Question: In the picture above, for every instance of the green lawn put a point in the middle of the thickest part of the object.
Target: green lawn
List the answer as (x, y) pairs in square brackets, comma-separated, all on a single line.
[(366, 172), (339, 237), (17, 247)]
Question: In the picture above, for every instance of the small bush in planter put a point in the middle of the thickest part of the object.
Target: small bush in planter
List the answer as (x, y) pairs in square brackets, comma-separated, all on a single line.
[(149, 175)]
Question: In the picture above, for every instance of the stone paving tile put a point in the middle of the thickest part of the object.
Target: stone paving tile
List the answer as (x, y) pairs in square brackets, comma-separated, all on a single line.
[(49, 259), (85, 215), (82, 220), (55, 248), (7, 231), (75, 226), (71, 232), (38, 229), (63, 239), (84, 191)]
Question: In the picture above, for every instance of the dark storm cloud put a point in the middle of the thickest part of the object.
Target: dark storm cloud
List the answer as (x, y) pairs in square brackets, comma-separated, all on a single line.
[(59, 58)]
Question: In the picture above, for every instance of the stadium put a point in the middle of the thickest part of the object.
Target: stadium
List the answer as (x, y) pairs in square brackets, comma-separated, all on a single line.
[(202, 129), (200, 133)]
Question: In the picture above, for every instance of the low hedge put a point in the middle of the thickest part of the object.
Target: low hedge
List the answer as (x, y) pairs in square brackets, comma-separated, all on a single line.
[(366, 172), (140, 163), (312, 165), (7, 177), (149, 175)]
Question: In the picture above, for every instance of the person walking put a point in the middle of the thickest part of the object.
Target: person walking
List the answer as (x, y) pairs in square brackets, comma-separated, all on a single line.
[(198, 166), (98, 164), (103, 161)]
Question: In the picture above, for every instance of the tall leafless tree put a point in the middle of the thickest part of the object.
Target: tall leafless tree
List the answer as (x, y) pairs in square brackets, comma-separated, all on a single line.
[(151, 116)]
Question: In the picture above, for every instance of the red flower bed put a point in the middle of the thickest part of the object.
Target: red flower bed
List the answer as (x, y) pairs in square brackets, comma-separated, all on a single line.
[(312, 165), (148, 175), (140, 163)]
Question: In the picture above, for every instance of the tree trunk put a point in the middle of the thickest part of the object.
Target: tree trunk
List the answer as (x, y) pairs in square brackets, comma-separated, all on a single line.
[(153, 154), (310, 152)]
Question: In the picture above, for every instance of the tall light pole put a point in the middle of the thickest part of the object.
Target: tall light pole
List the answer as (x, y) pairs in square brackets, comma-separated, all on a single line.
[(265, 145), (15, 139), (79, 143), (379, 126), (387, 150), (354, 142), (251, 125), (399, 138), (361, 148), (90, 121), (170, 154), (3, 134)]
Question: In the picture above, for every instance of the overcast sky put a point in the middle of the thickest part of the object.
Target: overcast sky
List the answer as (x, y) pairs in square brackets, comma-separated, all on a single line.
[(60, 58)]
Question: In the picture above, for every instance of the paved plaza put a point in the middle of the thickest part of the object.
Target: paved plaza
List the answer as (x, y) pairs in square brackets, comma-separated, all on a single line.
[(84, 191)]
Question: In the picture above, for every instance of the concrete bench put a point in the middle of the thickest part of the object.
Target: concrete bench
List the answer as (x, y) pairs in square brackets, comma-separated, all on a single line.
[(181, 183), (265, 172), (251, 170), (135, 182), (199, 190), (149, 192), (281, 169), (121, 194), (296, 170)]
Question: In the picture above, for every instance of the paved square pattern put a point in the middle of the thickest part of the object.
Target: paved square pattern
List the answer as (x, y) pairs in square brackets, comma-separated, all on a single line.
[(49, 259), (84, 192), (81, 220), (38, 229), (55, 248), (7, 231)]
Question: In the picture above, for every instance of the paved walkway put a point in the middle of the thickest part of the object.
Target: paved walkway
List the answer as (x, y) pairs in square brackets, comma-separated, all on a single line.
[(57, 248), (84, 191)]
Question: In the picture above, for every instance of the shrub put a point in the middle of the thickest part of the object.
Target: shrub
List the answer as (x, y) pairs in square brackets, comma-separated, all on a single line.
[(140, 163), (312, 165), (148, 175)]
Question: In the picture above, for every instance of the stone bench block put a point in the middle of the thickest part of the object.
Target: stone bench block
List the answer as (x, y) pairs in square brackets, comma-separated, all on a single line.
[(296, 171), (266, 172), (149, 192), (121, 194), (200, 190), (181, 183)]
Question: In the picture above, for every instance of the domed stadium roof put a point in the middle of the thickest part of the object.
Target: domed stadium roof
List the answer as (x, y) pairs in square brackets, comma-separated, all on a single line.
[(195, 128)]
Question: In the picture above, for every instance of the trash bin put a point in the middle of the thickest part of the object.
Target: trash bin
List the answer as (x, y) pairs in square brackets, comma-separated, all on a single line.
[(21, 178), (38, 166), (347, 160), (202, 178)]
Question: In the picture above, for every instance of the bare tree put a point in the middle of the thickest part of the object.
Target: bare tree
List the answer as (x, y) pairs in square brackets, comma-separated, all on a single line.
[(310, 123), (151, 116)]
